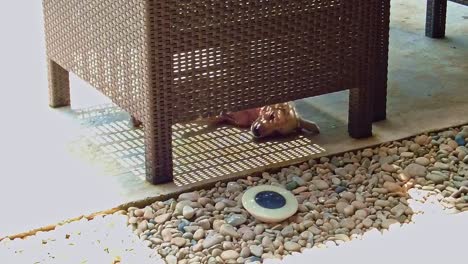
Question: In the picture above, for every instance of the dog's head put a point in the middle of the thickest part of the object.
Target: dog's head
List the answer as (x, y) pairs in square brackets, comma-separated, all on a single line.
[(275, 119)]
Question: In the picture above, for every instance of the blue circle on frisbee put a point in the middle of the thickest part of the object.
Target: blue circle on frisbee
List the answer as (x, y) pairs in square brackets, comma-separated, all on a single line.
[(270, 200)]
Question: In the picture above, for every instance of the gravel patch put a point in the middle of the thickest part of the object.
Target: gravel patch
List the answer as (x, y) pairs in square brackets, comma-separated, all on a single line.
[(340, 198)]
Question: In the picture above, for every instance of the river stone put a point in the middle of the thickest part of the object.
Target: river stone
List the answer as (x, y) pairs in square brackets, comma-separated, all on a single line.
[(149, 214), (421, 140), (442, 166), (348, 223), (266, 241), (178, 241), (287, 231), (133, 220), (256, 250), (216, 252), (348, 196), (460, 139), (199, 234), (139, 212), (392, 187), (307, 176), (361, 214), (340, 189), (340, 206), (219, 206), (464, 132), (414, 147), (190, 196), (367, 222), (423, 161), (228, 230), (161, 219), (205, 224), (248, 235), (217, 224), (203, 201), (183, 224), (188, 212), (228, 245), (368, 153), (171, 259), (341, 172), (212, 240), (259, 229), (166, 235), (180, 206), (342, 237), (349, 210), (336, 181), (143, 226), (245, 252), (233, 187), (398, 210), (386, 159), (236, 219), (388, 167), (415, 170), (382, 203), (292, 246), (358, 205), (407, 154), (436, 177), (299, 180), (229, 255), (320, 184), (388, 222)]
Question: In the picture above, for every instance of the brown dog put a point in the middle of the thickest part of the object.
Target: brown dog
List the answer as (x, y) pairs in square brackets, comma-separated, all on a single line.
[(278, 119)]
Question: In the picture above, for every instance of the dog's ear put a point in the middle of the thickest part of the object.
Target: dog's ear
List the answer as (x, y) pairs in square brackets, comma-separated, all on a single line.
[(309, 126)]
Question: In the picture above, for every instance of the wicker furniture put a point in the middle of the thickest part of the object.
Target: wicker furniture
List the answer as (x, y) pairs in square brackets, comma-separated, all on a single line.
[(172, 61), (436, 14)]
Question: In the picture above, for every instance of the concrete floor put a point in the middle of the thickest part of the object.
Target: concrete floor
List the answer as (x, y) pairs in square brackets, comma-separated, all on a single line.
[(54, 165)]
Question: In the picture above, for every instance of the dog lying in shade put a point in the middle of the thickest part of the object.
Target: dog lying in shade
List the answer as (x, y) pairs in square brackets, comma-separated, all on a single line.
[(272, 120)]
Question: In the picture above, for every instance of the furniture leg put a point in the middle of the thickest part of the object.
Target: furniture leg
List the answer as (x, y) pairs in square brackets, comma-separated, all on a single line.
[(435, 18), (59, 85), (158, 144), (134, 122), (360, 112), (381, 63)]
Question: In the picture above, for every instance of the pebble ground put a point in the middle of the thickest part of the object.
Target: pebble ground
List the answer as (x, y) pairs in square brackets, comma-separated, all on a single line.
[(340, 199)]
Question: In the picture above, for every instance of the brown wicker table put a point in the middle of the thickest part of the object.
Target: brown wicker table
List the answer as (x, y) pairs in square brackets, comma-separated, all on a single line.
[(436, 14), (171, 61)]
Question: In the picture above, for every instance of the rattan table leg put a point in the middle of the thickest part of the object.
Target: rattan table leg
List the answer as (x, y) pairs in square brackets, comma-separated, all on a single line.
[(380, 98), (435, 18), (381, 62), (158, 144), (360, 112), (59, 85), (134, 122), (380, 89)]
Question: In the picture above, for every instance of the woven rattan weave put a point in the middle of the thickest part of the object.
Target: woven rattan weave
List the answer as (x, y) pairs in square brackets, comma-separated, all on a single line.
[(436, 14), (171, 61)]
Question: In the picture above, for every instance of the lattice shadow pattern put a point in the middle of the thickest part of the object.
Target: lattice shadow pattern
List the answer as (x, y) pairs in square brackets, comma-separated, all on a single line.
[(200, 153)]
